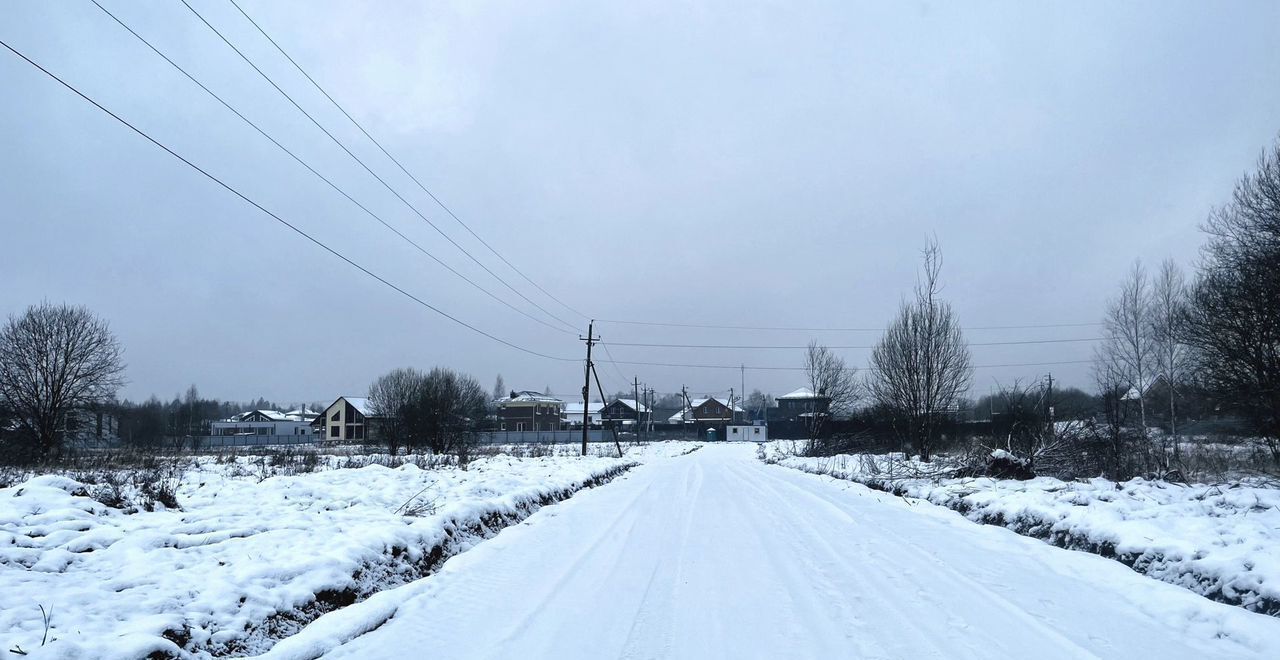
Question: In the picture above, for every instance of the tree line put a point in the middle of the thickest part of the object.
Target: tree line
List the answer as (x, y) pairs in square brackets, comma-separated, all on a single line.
[(1174, 347)]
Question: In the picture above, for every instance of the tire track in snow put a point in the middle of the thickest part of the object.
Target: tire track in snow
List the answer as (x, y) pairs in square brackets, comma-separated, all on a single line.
[(898, 580)]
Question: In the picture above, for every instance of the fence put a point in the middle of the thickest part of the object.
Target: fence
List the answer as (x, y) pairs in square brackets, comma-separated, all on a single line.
[(543, 437), (199, 442)]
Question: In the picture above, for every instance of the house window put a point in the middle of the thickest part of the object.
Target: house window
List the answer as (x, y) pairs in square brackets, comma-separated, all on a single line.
[(335, 431), (503, 426), (757, 430), (519, 426), (735, 430), (337, 416)]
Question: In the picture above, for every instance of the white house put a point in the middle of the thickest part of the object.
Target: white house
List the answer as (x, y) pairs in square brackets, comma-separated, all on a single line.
[(266, 422), (571, 414), (345, 420)]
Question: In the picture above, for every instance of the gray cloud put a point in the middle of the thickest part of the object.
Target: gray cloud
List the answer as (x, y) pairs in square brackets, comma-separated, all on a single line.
[(772, 164)]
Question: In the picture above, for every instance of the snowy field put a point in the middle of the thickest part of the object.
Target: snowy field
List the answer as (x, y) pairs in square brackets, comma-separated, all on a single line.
[(247, 559), (1220, 541)]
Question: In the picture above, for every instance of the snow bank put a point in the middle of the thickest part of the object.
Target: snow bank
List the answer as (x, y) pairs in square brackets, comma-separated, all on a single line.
[(246, 562), (1222, 541)]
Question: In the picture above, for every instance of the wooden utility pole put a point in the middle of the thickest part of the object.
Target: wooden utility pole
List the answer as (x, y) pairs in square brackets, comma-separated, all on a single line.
[(1048, 406), (612, 427), (586, 386), (636, 393), (687, 407)]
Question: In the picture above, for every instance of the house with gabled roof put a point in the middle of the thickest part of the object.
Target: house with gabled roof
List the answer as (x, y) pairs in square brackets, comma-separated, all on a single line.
[(623, 411), (709, 410), (348, 419), (263, 422)]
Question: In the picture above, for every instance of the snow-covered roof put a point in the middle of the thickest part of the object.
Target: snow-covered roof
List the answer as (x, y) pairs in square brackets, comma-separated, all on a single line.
[(361, 404), (531, 396), (687, 413), (723, 402), (273, 415), (631, 403), (802, 393), (570, 409)]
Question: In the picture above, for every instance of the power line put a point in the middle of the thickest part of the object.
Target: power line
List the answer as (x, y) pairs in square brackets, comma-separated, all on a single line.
[(322, 177), (743, 347), (367, 168), (397, 162), (611, 361), (277, 218), (835, 329), (757, 368)]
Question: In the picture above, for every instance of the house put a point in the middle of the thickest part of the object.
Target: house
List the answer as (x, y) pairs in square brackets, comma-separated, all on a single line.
[(571, 414), (710, 410), (801, 404), (529, 411), (266, 422), (349, 419), (90, 427), (624, 412)]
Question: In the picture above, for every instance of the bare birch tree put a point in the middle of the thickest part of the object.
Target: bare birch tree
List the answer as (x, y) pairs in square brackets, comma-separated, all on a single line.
[(1168, 304), (55, 359), (921, 367), (1128, 350)]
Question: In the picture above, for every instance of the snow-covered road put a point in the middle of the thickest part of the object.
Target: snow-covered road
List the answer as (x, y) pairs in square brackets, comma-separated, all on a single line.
[(717, 555)]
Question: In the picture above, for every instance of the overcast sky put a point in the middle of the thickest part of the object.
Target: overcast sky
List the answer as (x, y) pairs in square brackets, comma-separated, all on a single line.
[(774, 164)]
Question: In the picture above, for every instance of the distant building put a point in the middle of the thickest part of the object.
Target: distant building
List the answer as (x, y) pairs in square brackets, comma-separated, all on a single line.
[(746, 433), (571, 414), (707, 411), (265, 422), (623, 411), (529, 411), (802, 404), (86, 427), (349, 419)]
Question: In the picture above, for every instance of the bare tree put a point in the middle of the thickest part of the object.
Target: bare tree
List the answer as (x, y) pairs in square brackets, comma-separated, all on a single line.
[(757, 403), (1171, 357), (448, 411), (499, 389), (921, 367), (829, 377), (55, 359), (391, 398), (1127, 355), (1232, 322)]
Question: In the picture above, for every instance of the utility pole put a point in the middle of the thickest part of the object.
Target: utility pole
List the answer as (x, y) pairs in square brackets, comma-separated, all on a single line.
[(636, 394), (684, 407), (743, 373), (1048, 404), (652, 398), (591, 339), (731, 405)]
